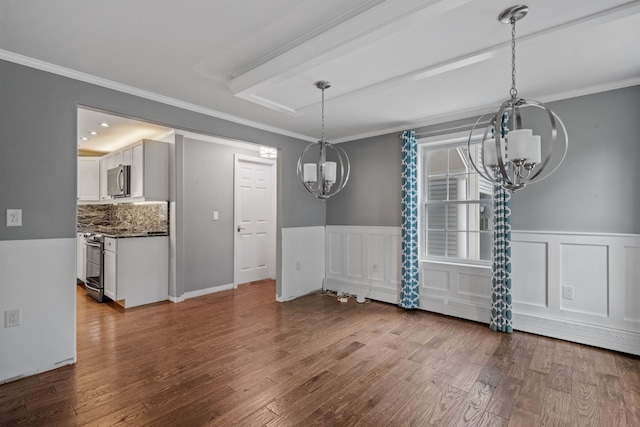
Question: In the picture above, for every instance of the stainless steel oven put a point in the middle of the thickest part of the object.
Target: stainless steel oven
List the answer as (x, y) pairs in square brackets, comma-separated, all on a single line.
[(94, 265)]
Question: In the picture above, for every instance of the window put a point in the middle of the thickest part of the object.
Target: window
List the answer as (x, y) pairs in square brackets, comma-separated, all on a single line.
[(457, 205)]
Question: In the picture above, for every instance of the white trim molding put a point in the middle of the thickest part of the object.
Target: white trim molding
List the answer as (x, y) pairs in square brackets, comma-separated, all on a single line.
[(201, 292)]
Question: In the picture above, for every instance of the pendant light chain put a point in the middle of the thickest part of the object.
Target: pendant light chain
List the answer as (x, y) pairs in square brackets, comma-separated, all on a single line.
[(322, 131), (513, 91)]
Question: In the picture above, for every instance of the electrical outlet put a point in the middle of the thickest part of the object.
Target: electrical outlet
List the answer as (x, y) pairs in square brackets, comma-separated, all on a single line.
[(11, 318), (375, 268), (14, 217), (216, 215), (567, 292)]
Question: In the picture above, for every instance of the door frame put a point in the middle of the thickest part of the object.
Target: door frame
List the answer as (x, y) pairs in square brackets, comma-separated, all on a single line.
[(274, 212)]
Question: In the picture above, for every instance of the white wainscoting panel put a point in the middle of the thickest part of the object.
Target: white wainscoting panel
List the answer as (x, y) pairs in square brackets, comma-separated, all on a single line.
[(355, 249), (38, 277), (371, 267), (303, 261), (336, 260), (603, 271), (632, 284), (585, 269), (456, 290), (529, 270)]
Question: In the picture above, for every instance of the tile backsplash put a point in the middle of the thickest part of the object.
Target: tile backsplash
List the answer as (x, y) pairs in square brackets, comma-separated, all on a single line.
[(123, 218)]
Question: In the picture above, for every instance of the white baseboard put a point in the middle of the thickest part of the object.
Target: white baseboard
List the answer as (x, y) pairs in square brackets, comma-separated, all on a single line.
[(292, 297), (597, 336), (201, 292), (374, 291)]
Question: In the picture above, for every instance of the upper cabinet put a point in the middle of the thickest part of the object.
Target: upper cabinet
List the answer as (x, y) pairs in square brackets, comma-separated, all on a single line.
[(149, 179), (88, 179)]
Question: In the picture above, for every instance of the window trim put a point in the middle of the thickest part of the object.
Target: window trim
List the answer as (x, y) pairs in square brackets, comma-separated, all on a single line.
[(434, 142)]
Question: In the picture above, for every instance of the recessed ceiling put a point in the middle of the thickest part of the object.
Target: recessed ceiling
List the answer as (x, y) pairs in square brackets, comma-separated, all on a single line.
[(120, 132), (394, 64)]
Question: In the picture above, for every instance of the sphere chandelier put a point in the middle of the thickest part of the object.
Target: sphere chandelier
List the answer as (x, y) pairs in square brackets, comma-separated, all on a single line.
[(320, 177), (512, 156)]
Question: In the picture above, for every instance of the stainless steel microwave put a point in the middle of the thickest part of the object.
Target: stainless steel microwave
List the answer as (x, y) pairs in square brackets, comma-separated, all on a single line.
[(118, 181)]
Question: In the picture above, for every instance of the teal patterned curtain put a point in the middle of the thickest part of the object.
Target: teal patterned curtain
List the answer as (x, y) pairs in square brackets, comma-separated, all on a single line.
[(410, 292), (501, 267)]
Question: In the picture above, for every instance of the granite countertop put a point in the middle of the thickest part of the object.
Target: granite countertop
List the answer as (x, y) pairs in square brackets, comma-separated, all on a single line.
[(126, 234)]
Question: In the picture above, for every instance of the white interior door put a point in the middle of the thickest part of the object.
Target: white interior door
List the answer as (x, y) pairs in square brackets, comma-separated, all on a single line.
[(254, 219)]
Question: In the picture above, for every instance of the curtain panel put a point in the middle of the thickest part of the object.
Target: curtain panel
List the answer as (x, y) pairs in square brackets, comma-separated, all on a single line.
[(410, 286), (501, 315)]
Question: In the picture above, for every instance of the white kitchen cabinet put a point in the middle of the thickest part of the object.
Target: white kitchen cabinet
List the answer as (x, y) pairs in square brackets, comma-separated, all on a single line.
[(137, 170), (117, 158), (80, 257), (136, 270), (88, 179), (103, 179), (150, 170), (110, 274), (126, 156), (149, 179), (111, 160)]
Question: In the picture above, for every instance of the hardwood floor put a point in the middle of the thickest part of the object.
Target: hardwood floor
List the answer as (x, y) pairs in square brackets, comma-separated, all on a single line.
[(241, 358)]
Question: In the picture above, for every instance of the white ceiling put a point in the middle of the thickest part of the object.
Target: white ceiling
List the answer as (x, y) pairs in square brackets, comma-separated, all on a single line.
[(394, 64)]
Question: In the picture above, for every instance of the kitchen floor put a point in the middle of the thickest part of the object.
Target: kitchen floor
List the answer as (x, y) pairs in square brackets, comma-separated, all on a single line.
[(238, 357)]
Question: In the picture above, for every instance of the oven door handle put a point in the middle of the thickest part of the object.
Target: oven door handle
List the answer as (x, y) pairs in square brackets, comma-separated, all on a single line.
[(91, 287)]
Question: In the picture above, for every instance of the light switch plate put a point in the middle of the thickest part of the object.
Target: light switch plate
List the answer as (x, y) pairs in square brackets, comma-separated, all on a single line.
[(14, 217), (216, 216)]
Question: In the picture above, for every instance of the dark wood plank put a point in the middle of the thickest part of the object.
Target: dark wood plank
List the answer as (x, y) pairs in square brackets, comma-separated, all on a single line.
[(610, 400), (523, 418), (563, 353), (504, 396), (541, 359), (632, 406), (584, 405), (473, 408), (557, 409), (447, 408), (533, 393), (561, 378)]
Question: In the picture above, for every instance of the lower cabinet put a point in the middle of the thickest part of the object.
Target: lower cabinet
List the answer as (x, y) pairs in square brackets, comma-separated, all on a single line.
[(110, 274), (80, 257), (136, 270)]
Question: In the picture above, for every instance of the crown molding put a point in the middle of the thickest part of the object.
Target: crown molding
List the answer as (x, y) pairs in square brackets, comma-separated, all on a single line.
[(109, 84)]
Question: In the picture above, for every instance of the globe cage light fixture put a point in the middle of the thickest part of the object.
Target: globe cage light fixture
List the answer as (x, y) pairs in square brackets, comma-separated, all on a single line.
[(513, 159), (320, 177)]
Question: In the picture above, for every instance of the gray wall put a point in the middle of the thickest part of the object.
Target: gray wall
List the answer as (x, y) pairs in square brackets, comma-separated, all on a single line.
[(38, 149), (208, 174), (594, 190), (372, 195)]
